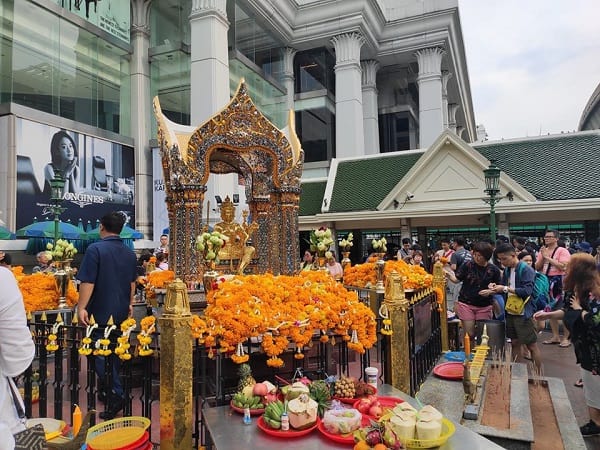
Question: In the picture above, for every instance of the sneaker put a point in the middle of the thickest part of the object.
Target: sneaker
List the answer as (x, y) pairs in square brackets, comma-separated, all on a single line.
[(590, 429)]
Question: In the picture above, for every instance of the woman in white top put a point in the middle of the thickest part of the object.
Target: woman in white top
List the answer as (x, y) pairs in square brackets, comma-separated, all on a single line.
[(16, 353)]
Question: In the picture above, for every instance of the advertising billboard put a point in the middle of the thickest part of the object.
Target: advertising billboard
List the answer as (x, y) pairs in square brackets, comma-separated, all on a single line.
[(113, 16), (99, 174)]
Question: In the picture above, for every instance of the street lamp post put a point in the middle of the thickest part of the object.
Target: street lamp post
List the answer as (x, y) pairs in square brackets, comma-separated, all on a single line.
[(57, 187), (492, 189)]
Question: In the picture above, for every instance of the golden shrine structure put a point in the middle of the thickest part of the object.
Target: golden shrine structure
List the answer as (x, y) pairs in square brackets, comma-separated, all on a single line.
[(238, 139)]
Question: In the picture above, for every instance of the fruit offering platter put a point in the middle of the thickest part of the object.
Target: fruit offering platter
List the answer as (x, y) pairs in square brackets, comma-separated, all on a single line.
[(301, 415), (403, 426), (374, 406), (349, 390), (252, 395), (240, 402), (339, 423)]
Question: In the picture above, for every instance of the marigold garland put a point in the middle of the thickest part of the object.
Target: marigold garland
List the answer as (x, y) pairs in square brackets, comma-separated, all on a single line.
[(284, 310), (364, 275), (102, 344), (147, 325), (52, 344), (85, 348), (122, 350)]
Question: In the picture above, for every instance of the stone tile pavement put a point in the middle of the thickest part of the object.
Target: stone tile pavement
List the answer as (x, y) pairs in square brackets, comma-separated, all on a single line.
[(560, 363)]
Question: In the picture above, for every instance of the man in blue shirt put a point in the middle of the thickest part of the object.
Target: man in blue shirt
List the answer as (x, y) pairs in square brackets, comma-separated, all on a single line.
[(107, 275)]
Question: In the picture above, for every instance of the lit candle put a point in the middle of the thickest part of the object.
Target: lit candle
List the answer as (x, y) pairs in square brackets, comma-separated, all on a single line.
[(76, 420), (467, 345)]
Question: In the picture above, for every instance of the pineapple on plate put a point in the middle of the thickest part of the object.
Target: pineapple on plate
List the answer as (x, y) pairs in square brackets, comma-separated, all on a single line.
[(247, 381)]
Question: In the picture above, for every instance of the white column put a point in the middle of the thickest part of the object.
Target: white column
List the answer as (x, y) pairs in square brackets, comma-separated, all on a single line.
[(452, 109), (370, 109), (431, 119), (210, 80), (459, 131), (209, 59), (349, 131), (445, 77), (140, 115), (288, 75)]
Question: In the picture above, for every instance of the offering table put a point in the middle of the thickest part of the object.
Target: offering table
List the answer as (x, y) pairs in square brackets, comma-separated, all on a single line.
[(226, 430)]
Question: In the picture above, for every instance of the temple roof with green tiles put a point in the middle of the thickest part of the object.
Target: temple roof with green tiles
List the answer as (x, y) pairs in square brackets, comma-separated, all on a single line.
[(311, 198), (556, 167), (361, 184)]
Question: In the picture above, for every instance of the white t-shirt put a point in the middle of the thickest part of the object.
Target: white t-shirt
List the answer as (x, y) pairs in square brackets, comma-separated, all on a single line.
[(16, 351)]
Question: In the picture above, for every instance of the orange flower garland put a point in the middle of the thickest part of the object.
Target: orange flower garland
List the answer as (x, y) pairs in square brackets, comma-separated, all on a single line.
[(39, 290), (363, 275), (147, 325), (284, 310)]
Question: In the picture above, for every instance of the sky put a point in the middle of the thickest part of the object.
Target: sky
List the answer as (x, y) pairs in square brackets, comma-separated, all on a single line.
[(533, 64)]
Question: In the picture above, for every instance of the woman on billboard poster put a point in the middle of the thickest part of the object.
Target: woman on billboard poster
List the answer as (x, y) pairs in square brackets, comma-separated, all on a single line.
[(65, 158)]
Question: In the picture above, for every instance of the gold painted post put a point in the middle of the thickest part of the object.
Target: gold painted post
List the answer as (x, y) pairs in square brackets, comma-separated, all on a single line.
[(439, 281), (176, 415), (398, 368)]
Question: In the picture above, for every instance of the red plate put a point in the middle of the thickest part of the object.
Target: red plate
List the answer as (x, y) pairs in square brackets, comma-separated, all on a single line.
[(342, 438), (284, 434), (385, 402), (449, 371), (253, 412)]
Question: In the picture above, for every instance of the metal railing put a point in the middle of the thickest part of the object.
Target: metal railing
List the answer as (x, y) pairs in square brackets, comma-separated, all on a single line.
[(62, 378)]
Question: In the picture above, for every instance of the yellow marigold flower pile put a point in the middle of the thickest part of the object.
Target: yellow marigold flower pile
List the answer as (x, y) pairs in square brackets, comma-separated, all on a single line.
[(158, 279), (284, 310), (364, 275), (39, 290)]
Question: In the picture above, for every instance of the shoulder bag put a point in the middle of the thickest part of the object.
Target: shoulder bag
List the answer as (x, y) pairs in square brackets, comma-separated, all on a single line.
[(33, 438)]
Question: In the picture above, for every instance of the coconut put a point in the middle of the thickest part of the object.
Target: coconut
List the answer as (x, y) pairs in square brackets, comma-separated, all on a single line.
[(295, 390), (302, 412), (405, 411), (403, 425), (428, 429), (428, 412)]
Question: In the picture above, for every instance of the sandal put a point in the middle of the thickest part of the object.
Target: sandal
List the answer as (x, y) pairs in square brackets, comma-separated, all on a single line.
[(565, 344), (551, 342), (578, 383)]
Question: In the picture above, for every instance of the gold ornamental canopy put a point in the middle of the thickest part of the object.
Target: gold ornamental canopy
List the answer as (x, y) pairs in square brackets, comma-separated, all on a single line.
[(238, 139)]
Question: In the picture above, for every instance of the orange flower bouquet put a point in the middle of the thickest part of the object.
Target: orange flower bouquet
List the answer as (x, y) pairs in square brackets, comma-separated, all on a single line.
[(364, 276), (39, 291), (158, 279)]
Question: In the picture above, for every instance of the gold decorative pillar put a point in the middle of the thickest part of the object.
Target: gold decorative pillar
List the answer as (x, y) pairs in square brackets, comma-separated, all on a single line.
[(439, 282), (398, 367), (176, 413), (185, 221)]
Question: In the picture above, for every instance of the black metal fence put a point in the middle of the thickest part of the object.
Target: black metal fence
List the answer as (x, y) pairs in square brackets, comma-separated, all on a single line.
[(57, 380), (425, 339)]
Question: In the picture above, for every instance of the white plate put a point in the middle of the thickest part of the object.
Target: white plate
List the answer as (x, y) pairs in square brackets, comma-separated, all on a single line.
[(50, 425)]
